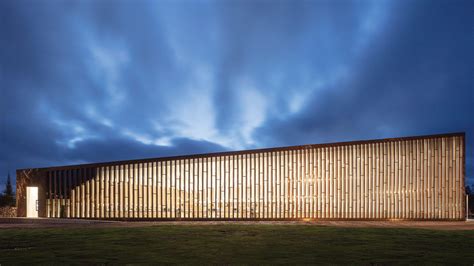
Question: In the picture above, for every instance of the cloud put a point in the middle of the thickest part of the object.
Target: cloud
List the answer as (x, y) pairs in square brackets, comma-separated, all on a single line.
[(85, 82), (412, 81)]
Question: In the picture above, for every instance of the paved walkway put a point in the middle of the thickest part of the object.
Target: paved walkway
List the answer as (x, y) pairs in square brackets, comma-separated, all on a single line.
[(70, 223)]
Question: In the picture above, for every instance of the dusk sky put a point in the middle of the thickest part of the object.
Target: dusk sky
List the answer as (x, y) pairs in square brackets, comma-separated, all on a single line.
[(92, 81)]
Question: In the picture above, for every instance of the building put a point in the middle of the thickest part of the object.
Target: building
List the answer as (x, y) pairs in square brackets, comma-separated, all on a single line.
[(399, 178)]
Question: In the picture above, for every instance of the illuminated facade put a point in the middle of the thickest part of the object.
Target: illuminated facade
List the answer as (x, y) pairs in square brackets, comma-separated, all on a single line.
[(402, 178)]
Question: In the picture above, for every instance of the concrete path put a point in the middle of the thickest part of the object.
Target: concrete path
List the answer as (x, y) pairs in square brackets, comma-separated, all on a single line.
[(71, 223)]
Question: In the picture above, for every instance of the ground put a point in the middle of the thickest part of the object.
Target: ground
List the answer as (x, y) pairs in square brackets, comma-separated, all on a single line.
[(72, 241)]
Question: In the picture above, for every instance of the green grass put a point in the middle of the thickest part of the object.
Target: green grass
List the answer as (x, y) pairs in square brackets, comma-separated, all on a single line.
[(236, 244)]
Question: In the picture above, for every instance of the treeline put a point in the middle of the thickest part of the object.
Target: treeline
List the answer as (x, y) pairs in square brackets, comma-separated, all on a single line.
[(470, 193), (7, 198)]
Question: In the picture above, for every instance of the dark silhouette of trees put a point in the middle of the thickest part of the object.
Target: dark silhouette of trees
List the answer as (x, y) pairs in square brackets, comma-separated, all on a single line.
[(7, 198), (470, 194)]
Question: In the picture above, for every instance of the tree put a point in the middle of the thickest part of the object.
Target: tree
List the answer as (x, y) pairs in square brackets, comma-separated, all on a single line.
[(470, 199), (8, 197)]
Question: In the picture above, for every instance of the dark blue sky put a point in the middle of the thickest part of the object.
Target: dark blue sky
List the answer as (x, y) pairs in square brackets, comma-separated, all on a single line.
[(109, 80)]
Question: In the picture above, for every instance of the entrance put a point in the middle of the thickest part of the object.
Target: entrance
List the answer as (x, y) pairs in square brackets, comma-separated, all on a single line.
[(32, 202)]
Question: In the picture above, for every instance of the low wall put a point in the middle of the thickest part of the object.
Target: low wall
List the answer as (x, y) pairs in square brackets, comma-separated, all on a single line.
[(7, 212)]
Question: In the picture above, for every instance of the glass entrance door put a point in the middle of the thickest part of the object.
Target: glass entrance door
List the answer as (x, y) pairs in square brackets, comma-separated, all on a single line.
[(32, 202)]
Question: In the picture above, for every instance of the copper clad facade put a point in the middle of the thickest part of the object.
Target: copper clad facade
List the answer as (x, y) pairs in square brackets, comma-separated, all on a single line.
[(404, 178)]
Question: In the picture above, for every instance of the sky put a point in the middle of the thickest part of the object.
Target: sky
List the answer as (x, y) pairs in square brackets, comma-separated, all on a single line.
[(93, 81)]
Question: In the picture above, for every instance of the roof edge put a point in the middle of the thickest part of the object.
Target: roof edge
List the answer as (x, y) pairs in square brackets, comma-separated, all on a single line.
[(251, 151)]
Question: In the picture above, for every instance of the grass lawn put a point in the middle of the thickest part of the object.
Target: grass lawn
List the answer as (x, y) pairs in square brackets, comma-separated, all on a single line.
[(227, 243)]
